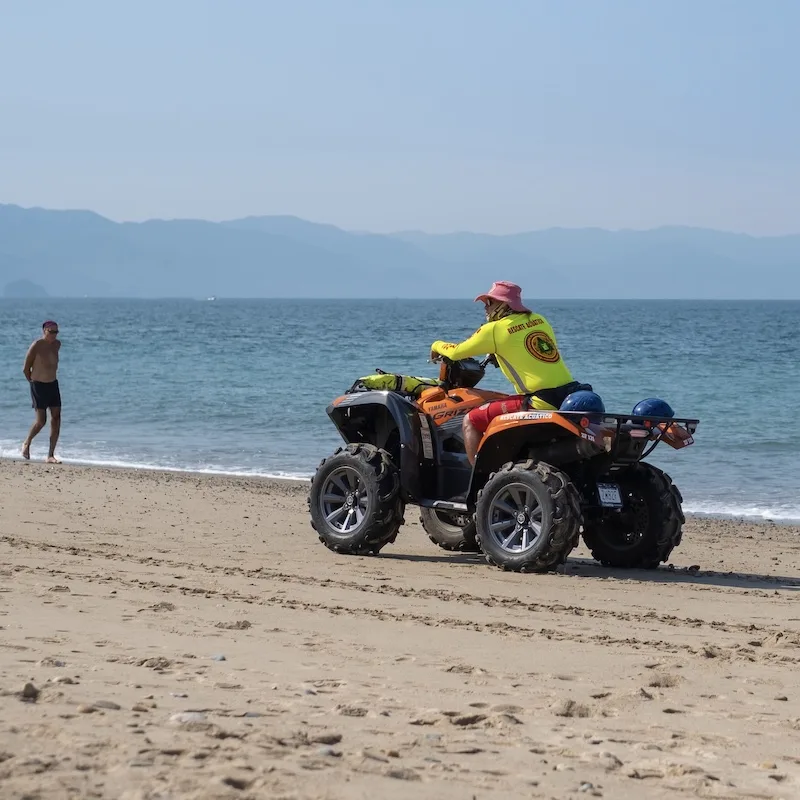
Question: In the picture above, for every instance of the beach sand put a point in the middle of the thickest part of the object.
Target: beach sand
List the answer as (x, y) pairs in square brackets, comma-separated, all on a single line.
[(188, 637)]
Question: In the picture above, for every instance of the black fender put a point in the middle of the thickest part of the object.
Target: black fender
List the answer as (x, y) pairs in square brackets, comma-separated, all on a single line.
[(389, 421)]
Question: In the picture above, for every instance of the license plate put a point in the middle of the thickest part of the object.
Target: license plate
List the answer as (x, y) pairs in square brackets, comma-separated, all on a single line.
[(610, 496)]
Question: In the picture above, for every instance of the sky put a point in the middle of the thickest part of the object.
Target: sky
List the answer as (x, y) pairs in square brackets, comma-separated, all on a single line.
[(434, 115)]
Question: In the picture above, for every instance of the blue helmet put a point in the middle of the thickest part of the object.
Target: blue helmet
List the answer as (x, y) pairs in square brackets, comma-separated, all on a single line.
[(583, 401), (653, 407)]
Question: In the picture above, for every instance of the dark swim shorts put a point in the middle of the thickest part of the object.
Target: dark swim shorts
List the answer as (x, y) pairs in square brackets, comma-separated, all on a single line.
[(45, 395)]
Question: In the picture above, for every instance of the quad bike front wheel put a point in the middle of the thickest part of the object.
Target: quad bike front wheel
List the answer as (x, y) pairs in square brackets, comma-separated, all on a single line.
[(451, 530), (647, 528), (528, 517), (354, 500)]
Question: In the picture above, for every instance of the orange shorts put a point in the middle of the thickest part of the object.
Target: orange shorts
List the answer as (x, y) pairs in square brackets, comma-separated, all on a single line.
[(481, 417)]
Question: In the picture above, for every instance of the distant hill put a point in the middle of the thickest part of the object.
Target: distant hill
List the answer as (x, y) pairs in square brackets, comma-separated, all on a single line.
[(77, 253), (24, 289)]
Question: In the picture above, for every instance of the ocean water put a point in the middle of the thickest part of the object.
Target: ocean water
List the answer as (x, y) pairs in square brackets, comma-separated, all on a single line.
[(240, 386)]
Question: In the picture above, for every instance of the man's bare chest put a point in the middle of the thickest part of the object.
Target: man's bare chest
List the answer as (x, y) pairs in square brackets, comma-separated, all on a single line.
[(46, 357)]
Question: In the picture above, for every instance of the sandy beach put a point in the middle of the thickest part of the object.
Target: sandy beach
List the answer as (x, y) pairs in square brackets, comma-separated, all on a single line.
[(180, 636)]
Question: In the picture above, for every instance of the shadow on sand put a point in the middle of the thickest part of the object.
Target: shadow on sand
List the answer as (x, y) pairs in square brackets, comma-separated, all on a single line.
[(587, 568), (444, 558)]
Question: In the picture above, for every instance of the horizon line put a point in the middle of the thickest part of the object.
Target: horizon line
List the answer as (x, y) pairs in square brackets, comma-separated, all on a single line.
[(593, 299), (405, 231)]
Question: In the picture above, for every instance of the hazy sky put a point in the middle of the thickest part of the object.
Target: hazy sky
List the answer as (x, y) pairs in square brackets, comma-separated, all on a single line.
[(426, 114)]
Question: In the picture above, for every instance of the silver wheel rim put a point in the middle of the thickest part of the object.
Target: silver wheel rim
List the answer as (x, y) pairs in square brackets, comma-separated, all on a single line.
[(515, 518), (343, 501)]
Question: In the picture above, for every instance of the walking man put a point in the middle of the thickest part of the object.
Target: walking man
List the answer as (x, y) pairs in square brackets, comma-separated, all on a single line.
[(40, 369)]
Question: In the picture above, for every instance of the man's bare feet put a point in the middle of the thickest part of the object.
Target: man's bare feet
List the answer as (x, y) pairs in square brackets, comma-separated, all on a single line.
[(26, 451), (52, 460)]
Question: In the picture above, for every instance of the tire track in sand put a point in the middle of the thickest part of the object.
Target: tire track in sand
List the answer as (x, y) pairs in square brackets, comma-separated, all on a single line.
[(442, 595), (750, 651)]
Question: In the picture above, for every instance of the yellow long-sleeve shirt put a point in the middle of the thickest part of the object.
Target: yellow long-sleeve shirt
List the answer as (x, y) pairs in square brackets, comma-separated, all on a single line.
[(525, 347)]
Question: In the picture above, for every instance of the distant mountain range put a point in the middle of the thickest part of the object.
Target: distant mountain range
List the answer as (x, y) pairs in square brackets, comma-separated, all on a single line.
[(80, 253)]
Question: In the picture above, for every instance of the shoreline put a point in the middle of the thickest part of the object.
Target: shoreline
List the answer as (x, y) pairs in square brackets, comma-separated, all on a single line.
[(77, 463), (301, 484)]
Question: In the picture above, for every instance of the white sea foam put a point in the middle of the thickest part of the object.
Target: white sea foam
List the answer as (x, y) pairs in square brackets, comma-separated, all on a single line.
[(788, 513), (91, 460)]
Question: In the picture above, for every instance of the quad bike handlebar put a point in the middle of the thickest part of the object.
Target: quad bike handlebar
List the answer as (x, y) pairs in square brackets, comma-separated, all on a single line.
[(438, 357), (466, 373)]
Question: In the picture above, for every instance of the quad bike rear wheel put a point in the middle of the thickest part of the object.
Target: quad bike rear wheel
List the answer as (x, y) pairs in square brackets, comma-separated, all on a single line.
[(451, 530), (528, 517), (354, 500), (649, 526)]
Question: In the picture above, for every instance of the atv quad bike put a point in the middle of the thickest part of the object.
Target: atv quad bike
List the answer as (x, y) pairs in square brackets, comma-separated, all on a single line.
[(540, 479)]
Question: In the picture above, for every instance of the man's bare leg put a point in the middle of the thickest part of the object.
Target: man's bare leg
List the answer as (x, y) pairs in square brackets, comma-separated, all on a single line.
[(41, 421), (55, 429), (472, 438)]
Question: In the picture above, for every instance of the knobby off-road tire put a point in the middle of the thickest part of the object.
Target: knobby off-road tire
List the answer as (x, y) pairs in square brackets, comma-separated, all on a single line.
[(649, 527), (535, 509), (443, 529), (354, 500)]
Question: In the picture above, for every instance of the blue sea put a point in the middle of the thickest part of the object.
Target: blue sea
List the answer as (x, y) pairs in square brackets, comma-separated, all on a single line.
[(239, 387)]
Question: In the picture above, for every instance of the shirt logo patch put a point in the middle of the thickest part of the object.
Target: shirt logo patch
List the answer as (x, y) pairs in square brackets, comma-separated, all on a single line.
[(542, 347)]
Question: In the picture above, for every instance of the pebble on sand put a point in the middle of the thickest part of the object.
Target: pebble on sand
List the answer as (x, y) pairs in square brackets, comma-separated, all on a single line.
[(236, 782), (403, 774), (29, 693), (466, 720), (110, 705), (325, 738)]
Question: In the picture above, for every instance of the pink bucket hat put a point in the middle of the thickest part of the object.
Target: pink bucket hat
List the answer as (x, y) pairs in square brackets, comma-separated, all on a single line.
[(505, 292)]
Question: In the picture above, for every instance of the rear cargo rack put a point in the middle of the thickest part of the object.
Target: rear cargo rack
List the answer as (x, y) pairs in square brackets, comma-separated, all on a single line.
[(636, 426)]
